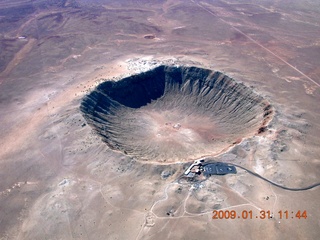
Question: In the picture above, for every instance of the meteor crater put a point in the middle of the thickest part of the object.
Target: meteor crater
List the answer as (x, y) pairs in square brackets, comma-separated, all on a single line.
[(175, 114)]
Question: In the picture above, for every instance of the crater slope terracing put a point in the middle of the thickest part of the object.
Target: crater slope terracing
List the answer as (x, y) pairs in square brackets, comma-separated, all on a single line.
[(173, 114)]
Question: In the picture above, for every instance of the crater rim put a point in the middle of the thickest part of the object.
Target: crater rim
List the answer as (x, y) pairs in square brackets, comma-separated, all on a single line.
[(106, 99)]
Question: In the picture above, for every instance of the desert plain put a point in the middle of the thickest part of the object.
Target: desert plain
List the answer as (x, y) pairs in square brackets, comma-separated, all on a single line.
[(62, 178)]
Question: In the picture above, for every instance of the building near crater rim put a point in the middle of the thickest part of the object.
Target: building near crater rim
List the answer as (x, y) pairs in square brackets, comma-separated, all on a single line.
[(218, 169)]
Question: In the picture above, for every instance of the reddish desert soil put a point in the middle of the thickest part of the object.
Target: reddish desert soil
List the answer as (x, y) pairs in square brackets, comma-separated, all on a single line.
[(59, 180)]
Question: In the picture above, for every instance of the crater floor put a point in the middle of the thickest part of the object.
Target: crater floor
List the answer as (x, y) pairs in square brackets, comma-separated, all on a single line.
[(171, 113)]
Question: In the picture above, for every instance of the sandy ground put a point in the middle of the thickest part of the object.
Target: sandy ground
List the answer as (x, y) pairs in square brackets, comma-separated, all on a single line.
[(60, 181)]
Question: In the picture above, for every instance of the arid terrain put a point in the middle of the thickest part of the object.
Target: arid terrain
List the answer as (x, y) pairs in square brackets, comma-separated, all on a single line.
[(74, 167)]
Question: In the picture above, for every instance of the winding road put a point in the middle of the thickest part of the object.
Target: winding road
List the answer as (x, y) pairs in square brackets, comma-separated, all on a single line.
[(276, 184), (263, 178)]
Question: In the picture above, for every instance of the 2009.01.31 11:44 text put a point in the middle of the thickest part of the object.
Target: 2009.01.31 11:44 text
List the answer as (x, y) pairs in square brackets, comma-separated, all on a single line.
[(263, 214)]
